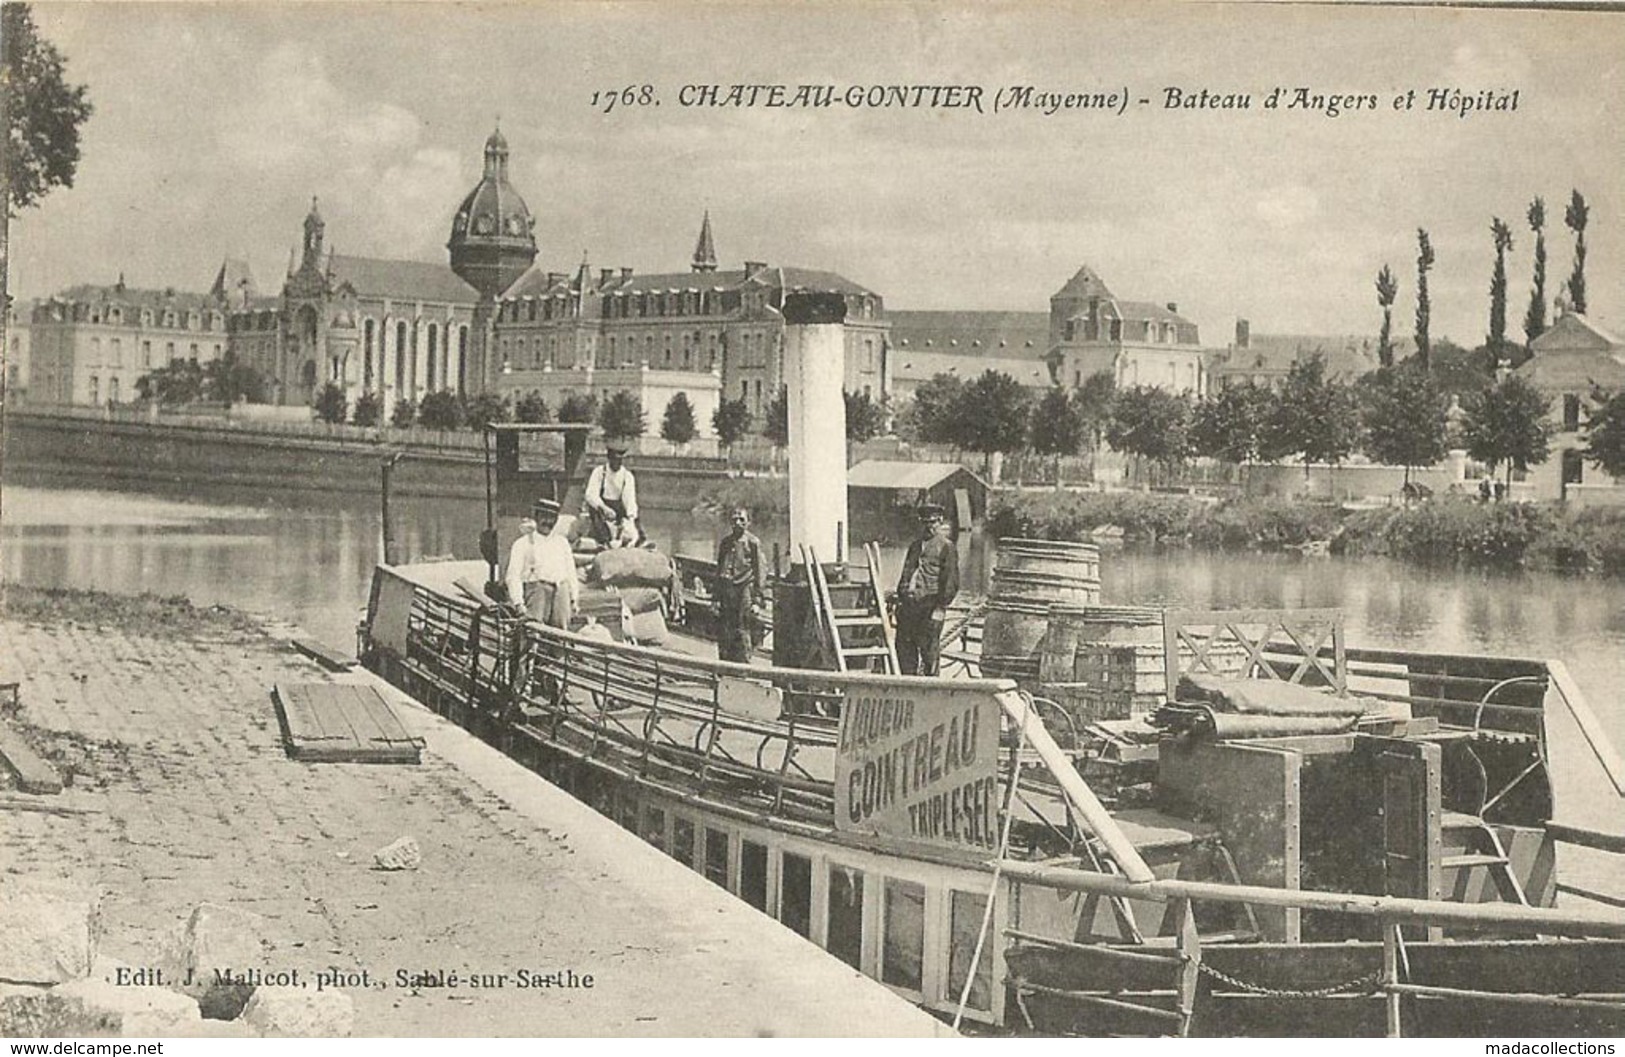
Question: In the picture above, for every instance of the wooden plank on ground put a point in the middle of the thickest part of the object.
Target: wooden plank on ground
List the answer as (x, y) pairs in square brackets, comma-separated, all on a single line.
[(34, 774), (332, 660), (338, 722)]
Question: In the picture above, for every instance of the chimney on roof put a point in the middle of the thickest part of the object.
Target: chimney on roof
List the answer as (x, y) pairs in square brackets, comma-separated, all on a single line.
[(554, 278), (1244, 334), (1173, 306), (752, 267), (626, 274), (605, 275)]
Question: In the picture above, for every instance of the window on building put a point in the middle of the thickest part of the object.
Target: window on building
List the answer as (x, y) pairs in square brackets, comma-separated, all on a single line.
[(96, 351), (902, 953), (169, 352), (795, 893), (95, 390), (966, 913), (845, 935), (716, 856), (1571, 412), (146, 354), (753, 874), (682, 840), (194, 350), (1115, 330)]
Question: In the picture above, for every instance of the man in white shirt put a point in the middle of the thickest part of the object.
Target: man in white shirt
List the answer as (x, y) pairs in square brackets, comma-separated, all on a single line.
[(612, 501), (542, 570)]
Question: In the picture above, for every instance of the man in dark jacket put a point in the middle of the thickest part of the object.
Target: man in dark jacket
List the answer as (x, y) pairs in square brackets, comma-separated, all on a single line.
[(929, 582), (739, 589)]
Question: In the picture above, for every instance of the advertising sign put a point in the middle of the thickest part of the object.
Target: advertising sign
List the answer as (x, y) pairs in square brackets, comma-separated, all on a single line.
[(919, 765)]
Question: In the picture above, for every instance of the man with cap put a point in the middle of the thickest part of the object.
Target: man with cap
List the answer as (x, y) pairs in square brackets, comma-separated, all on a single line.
[(541, 569), (927, 586), (612, 501), (739, 588)]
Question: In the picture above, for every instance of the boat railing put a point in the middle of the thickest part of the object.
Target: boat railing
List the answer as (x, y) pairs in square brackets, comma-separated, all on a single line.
[(1397, 917)]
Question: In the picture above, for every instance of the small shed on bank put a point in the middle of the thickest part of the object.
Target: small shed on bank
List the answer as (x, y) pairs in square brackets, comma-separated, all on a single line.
[(887, 489)]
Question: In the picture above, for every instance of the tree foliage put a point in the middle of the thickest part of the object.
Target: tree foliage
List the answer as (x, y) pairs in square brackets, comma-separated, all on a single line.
[(1151, 423), (1387, 290), (1402, 414), (176, 383), (776, 419), (623, 416), (1314, 418), (531, 408), (1506, 425), (1534, 320), (368, 409), (677, 424), (1497, 340), (579, 407), (865, 417), (929, 417), (404, 413), (1057, 427), (1575, 217), (1230, 425), (331, 405), (440, 410), (1605, 433), (479, 411), (992, 414), (229, 380), (43, 114), (1093, 400), (1424, 307), (731, 421)]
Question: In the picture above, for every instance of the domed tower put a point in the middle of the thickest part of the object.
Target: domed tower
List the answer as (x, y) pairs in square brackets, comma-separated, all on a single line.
[(493, 238), (493, 243)]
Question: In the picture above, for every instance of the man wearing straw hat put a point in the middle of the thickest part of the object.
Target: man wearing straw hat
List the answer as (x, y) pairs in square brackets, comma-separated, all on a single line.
[(541, 569), (926, 588), (611, 499)]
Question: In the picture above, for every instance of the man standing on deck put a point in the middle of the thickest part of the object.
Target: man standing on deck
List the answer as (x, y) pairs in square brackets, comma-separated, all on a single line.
[(926, 588), (739, 589), (612, 501), (541, 569)]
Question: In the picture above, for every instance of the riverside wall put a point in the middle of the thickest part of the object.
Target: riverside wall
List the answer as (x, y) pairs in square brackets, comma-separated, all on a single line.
[(90, 447)]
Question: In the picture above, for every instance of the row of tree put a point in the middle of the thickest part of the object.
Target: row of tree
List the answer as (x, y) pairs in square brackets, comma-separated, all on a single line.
[(1576, 216)]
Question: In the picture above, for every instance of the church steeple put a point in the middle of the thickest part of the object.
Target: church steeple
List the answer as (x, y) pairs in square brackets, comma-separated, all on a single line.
[(314, 229), (705, 251)]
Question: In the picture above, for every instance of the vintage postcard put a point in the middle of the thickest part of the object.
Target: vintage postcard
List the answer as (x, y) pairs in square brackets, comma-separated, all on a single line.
[(840, 519)]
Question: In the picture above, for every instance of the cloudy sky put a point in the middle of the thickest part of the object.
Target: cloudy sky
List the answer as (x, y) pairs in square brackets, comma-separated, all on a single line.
[(215, 124)]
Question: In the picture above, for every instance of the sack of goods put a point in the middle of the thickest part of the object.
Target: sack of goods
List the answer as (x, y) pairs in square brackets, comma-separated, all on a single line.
[(632, 566)]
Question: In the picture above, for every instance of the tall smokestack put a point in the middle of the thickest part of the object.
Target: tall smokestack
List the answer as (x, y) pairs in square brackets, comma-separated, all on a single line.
[(1243, 334), (814, 366)]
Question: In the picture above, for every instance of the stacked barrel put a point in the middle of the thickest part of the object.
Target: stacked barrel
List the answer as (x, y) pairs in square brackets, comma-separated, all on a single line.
[(1030, 576), (1047, 629)]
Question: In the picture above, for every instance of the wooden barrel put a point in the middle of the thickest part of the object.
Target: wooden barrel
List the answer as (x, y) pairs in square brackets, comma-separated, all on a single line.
[(1029, 576), (1072, 627)]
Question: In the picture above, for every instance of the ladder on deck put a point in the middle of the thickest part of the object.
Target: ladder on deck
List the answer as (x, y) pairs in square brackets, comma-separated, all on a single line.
[(848, 633), (1483, 848)]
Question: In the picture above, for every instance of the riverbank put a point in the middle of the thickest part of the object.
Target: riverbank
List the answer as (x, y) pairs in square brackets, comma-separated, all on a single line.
[(1443, 530), (158, 714)]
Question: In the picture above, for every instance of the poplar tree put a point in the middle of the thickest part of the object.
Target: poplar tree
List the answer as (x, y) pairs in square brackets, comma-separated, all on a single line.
[(1534, 320), (1498, 290), (1387, 290), (1575, 216), (1424, 308)]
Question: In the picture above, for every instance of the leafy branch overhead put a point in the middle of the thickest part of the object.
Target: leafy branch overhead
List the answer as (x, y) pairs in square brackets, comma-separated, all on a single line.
[(45, 111)]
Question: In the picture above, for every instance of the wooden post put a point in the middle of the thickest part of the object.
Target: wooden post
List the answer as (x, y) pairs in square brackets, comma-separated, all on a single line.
[(1390, 977), (391, 555), (1190, 963)]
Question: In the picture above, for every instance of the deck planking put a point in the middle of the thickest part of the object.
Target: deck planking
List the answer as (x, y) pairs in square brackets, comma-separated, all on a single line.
[(342, 723)]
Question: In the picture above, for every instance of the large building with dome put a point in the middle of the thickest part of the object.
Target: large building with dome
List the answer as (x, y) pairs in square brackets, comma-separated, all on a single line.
[(489, 320)]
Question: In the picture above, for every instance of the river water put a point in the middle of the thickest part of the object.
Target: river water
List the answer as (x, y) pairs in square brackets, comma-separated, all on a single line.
[(308, 557)]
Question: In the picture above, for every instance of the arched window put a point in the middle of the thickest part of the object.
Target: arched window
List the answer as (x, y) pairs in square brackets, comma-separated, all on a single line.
[(436, 381), (400, 353), (369, 336)]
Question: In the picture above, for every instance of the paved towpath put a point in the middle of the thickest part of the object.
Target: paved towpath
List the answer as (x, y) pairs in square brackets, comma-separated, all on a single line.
[(182, 794)]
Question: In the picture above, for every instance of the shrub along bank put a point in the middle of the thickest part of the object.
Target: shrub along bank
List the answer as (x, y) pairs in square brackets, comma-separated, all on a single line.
[(1502, 535)]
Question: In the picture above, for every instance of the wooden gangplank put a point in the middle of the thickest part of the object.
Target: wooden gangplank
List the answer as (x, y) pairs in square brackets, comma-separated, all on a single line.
[(341, 723)]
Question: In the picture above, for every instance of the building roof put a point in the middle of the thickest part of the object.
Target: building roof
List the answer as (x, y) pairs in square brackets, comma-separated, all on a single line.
[(401, 280), (118, 293), (1350, 355), (1007, 334), (885, 473), (536, 282), (1575, 331), (1085, 284), (916, 365)]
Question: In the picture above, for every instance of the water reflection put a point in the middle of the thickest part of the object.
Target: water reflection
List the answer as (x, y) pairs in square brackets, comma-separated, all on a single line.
[(307, 556)]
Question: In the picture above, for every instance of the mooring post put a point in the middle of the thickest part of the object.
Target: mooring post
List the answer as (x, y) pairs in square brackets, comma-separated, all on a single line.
[(391, 555), (1390, 977)]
